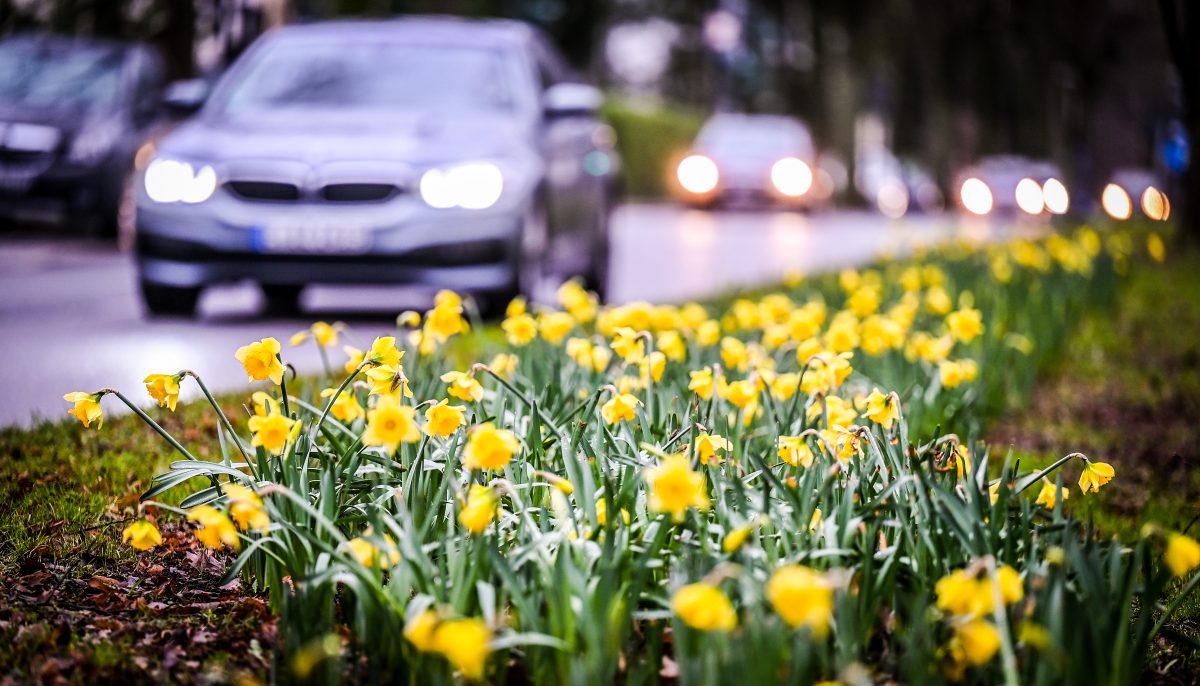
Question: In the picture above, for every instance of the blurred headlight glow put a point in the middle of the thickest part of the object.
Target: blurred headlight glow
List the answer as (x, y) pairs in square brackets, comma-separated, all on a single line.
[(791, 177), (1116, 202), (697, 174), (173, 181), (471, 186), (1055, 195), (1029, 196), (1155, 204), (976, 196)]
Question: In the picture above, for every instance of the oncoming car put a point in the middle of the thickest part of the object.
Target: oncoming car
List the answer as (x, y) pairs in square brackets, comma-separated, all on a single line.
[(763, 158), (443, 152), (1012, 185)]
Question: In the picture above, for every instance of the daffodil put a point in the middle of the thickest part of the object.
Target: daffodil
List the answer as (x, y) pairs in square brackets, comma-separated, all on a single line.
[(707, 446), (1182, 554), (702, 382), (465, 643), (346, 408), (445, 319), (974, 643), (965, 325), (389, 424), (554, 326), (672, 345), (463, 386), (629, 345), (370, 554), (882, 409), (1095, 475), (795, 451), (443, 419), (969, 593), (742, 393), (489, 447), (384, 353), (504, 365), (216, 530), (87, 408), (704, 607), (261, 360), (164, 388), (1047, 496), (386, 379), (324, 333), (479, 509), (246, 508), (271, 431), (142, 535), (803, 597), (419, 630), (519, 330), (650, 367), (675, 487), (622, 406), (736, 538)]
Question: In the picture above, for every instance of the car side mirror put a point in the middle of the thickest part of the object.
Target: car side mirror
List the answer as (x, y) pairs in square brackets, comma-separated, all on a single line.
[(185, 97), (571, 99)]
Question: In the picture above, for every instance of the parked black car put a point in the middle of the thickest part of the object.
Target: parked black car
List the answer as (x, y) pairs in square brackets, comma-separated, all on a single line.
[(73, 113), (445, 152)]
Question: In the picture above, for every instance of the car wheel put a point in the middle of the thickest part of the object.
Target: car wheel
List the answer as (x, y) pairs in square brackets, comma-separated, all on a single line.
[(169, 301), (596, 278), (282, 300), (528, 267)]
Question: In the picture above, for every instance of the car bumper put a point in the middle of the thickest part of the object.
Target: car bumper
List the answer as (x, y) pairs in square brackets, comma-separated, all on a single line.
[(189, 247)]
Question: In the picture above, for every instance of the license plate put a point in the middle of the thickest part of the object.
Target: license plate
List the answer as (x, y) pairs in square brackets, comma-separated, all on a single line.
[(312, 237)]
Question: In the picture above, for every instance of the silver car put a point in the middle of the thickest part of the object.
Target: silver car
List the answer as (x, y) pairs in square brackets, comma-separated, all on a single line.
[(749, 157), (442, 152)]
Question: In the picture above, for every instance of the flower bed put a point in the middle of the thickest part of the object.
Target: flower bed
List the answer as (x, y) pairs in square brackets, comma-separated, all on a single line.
[(786, 489)]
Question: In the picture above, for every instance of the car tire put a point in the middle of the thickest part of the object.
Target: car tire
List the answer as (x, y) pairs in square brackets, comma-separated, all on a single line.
[(282, 300), (528, 265), (169, 301), (596, 278)]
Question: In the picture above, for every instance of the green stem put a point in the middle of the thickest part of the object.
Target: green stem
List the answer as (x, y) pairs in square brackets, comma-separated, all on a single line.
[(1170, 610), (153, 424), (224, 419), (1037, 477)]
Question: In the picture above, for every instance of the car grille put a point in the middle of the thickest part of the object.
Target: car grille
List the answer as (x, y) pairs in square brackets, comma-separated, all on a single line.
[(272, 191), (358, 192), (265, 190)]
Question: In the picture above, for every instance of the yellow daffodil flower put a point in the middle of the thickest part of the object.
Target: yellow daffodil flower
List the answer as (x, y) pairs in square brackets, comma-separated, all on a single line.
[(803, 597), (164, 388), (704, 607), (519, 330), (707, 446), (675, 487), (465, 644), (324, 333), (1182, 554), (271, 431), (142, 535), (554, 326), (261, 360), (882, 409), (795, 451), (1047, 497), (443, 419), (622, 406), (389, 424), (346, 408), (463, 386), (479, 509), (489, 447), (216, 530), (965, 325), (87, 408), (246, 508)]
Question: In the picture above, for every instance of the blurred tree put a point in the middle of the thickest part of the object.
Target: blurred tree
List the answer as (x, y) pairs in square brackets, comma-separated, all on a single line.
[(1181, 22)]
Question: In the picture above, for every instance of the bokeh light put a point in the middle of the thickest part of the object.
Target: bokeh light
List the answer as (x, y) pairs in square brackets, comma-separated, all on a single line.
[(1155, 204), (1055, 195), (976, 196), (1116, 202), (697, 174), (791, 177), (1029, 196)]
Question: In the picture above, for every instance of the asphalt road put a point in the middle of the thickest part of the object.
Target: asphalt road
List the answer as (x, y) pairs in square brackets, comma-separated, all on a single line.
[(70, 317)]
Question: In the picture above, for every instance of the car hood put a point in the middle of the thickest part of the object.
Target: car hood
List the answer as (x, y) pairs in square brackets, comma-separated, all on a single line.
[(415, 138)]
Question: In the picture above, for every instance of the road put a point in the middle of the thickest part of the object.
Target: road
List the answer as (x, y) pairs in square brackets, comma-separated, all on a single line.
[(70, 318)]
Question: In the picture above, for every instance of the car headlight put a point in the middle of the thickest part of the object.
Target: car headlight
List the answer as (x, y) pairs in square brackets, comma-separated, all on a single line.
[(1028, 195), (976, 196), (1055, 195), (791, 177), (471, 186), (168, 180), (697, 174), (94, 142), (1115, 201), (1155, 204)]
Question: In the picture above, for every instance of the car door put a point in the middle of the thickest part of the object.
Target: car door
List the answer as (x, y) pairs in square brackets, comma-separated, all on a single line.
[(573, 194)]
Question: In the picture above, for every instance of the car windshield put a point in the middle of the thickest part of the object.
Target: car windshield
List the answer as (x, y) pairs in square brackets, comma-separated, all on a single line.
[(753, 138), (372, 76), (44, 74)]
